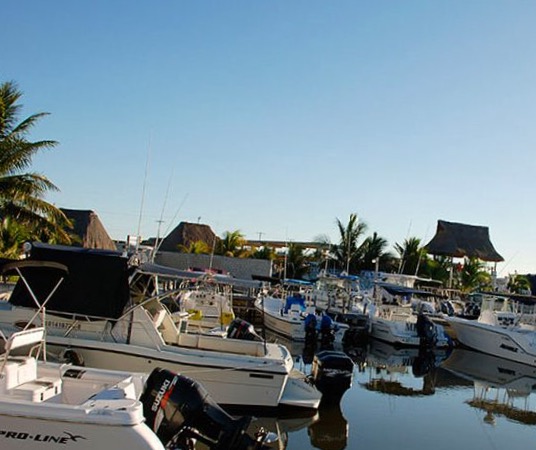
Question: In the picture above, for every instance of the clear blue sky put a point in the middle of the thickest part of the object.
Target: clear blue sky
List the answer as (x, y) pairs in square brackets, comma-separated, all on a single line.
[(278, 117)]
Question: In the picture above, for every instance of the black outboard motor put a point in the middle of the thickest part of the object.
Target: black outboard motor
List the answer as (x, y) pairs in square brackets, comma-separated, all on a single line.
[(359, 330), (180, 411), (327, 333), (332, 374), (240, 329), (425, 330), (310, 324)]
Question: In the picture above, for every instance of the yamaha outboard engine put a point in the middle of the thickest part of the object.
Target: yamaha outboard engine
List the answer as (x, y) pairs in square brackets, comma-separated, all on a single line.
[(240, 329), (180, 411), (332, 374)]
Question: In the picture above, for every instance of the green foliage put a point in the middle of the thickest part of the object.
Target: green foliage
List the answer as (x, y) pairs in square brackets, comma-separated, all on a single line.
[(197, 247), (232, 244), (519, 284), (474, 275), (411, 256), (347, 253), (437, 268), (264, 252), (22, 193), (297, 262)]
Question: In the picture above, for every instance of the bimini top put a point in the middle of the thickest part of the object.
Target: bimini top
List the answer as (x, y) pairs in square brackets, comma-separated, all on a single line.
[(97, 284), (460, 240)]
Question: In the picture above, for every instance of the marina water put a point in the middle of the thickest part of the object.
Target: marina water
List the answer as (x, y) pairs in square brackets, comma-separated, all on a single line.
[(411, 399)]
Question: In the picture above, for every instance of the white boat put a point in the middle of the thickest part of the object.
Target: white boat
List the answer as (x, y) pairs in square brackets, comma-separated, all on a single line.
[(396, 319), (505, 328), (291, 317), (206, 298), (335, 293), (46, 404), (89, 321)]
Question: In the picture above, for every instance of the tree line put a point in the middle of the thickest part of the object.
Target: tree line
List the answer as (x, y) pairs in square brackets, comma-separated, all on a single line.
[(26, 215)]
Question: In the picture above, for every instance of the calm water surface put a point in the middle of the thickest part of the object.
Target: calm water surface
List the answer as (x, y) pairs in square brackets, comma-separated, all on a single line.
[(401, 399)]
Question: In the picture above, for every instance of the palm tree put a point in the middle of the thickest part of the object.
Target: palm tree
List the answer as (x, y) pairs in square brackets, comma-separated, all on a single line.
[(232, 244), (264, 252), (474, 275), (373, 249), (297, 264), (411, 255), (437, 268), (197, 247), (12, 235), (22, 193), (519, 284), (347, 251)]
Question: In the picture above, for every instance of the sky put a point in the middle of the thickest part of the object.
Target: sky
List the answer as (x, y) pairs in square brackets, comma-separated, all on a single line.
[(278, 118)]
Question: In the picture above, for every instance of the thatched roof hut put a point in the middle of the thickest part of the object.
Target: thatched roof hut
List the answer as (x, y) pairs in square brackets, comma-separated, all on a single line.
[(90, 230), (187, 233), (460, 240)]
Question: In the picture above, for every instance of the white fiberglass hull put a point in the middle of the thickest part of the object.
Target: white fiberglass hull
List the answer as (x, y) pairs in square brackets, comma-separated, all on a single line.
[(235, 372), (33, 428), (512, 344), (227, 381), (403, 333), (291, 326)]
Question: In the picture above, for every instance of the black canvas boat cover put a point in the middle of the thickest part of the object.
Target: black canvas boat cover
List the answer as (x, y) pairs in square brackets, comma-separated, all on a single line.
[(97, 283), (460, 240)]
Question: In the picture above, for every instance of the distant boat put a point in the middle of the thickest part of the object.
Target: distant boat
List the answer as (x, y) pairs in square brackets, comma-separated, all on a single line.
[(290, 316), (505, 328)]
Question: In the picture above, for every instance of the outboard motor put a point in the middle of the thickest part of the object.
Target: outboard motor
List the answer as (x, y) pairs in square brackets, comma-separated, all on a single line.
[(180, 411), (327, 332), (310, 323), (359, 330), (425, 330), (332, 374), (240, 329), (447, 308)]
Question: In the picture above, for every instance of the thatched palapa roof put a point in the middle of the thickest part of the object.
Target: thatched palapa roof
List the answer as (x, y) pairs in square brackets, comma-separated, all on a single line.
[(460, 240), (187, 233), (89, 228)]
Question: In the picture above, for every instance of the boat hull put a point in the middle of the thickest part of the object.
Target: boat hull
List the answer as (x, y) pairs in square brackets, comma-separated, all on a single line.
[(491, 339), (34, 430), (228, 383)]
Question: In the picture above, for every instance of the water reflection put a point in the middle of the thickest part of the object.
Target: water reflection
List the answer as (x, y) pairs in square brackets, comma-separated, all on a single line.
[(386, 363), (330, 430), (500, 387), (282, 426), (443, 390)]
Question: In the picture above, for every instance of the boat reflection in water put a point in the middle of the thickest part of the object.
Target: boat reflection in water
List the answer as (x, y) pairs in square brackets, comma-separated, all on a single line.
[(501, 387), (282, 427), (387, 365), (330, 430)]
